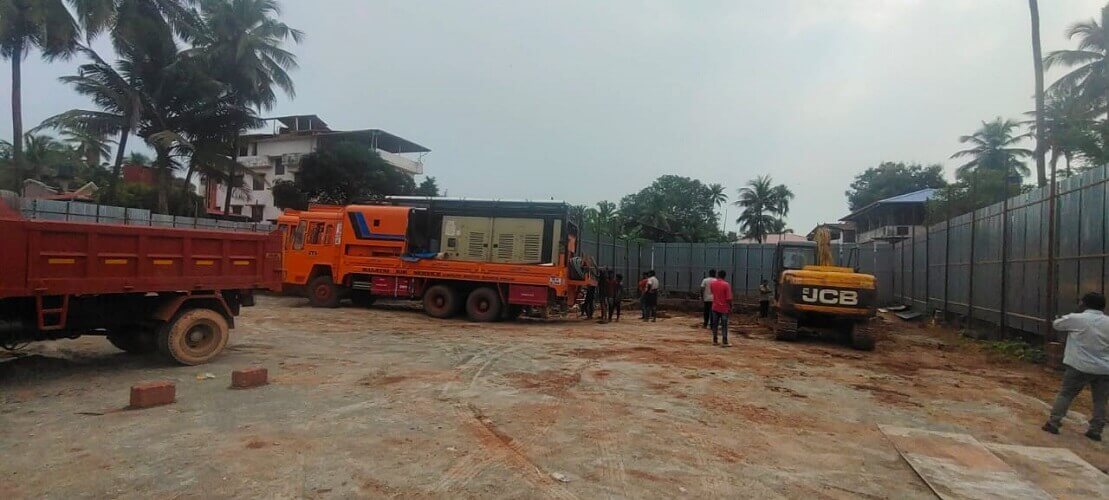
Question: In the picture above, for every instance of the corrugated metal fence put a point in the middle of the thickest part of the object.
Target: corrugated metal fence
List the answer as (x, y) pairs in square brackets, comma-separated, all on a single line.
[(89, 212), (991, 265), (681, 266)]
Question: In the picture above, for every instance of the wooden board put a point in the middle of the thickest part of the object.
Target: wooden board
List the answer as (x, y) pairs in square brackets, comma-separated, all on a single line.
[(1058, 471), (957, 466)]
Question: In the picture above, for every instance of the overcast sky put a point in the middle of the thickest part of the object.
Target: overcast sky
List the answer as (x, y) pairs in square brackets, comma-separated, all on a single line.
[(586, 100)]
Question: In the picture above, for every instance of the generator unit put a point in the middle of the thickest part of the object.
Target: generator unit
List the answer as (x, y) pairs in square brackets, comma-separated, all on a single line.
[(493, 239)]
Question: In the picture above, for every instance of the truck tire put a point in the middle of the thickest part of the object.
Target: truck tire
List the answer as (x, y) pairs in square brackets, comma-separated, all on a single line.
[(133, 341), (322, 292), (361, 298), (861, 336), (785, 328), (484, 305), (441, 301), (194, 336)]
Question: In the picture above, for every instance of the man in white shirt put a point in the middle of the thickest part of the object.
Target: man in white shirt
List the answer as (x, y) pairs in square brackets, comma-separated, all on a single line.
[(1086, 358), (706, 296)]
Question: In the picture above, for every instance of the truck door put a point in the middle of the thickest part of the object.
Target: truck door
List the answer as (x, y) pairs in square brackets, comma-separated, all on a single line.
[(297, 262)]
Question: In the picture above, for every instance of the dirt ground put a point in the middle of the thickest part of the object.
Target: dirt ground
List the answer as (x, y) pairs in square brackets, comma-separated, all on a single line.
[(386, 402)]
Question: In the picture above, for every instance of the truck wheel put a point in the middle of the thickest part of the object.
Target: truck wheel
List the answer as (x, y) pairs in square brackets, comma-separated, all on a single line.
[(361, 298), (785, 328), (322, 292), (194, 337), (861, 336), (133, 341), (441, 301), (484, 305)]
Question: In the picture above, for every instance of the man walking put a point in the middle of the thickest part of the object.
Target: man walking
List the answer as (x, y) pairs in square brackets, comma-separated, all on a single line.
[(764, 299), (706, 296), (721, 306), (1086, 358), (643, 295)]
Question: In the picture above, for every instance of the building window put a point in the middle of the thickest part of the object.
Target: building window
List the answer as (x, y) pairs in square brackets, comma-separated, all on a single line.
[(244, 150), (254, 149), (237, 181), (278, 166), (848, 236), (237, 209), (259, 182), (256, 212)]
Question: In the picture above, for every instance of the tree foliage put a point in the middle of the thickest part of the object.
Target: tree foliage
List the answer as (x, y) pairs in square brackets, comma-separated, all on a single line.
[(427, 187), (994, 148), (892, 179), (764, 206), (672, 208), (349, 172)]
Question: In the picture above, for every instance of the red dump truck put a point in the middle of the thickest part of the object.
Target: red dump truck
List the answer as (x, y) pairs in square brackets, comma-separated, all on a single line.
[(171, 290)]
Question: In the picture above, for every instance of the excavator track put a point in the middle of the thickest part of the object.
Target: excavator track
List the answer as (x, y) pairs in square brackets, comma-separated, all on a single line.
[(785, 327), (862, 337)]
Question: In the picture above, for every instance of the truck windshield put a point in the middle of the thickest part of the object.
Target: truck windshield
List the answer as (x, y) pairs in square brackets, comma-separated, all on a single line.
[(797, 257)]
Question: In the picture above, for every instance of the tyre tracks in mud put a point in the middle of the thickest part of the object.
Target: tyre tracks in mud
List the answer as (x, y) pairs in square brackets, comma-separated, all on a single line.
[(496, 448)]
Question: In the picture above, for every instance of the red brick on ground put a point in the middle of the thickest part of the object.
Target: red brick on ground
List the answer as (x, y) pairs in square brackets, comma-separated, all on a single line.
[(249, 377), (157, 393)]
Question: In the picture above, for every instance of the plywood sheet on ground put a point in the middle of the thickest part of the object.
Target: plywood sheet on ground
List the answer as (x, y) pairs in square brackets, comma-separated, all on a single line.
[(957, 466), (1057, 471)]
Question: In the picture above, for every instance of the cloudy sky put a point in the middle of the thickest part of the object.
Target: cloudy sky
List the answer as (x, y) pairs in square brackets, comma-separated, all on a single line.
[(586, 100)]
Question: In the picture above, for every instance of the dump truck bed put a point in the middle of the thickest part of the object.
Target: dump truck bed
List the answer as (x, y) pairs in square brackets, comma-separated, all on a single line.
[(42, 257)]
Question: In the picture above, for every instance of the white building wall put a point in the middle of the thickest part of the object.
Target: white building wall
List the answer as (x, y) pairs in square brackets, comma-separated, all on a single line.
[(261, 162)]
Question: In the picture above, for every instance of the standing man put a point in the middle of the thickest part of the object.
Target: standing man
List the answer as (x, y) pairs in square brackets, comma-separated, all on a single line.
[(764, 299), (721, 306), (1086, 358), (643, 295), (617, 294), (706, 296), (652, 297)]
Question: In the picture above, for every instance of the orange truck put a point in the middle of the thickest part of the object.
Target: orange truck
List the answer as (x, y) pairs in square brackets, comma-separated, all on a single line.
[(494, 260)]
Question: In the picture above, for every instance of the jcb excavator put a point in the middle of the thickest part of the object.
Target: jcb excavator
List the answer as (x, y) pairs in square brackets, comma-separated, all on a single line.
[(812, 294)]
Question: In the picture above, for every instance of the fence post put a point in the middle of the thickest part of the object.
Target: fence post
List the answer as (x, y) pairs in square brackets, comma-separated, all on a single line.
[(970, 275), (1050, 312), (1003, 320)]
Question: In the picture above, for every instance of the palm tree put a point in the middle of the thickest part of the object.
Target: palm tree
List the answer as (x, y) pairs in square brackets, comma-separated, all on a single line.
[(1090, 61), (717, 195), (764, 208), (118, 93), (1038, 66), (137, 158), (242, 47), (993, 149), (1067, 122), (42, 152), (24, 25)]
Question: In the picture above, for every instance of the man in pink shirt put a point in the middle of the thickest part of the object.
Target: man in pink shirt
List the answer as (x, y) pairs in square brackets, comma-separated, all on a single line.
[(721, 306)]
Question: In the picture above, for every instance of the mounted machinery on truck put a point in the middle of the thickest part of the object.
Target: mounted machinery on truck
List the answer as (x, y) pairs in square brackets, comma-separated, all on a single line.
[(492, 259)]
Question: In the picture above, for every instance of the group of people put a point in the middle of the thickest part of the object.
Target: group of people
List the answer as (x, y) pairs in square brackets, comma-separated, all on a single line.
[(608, 292), (716, 294)]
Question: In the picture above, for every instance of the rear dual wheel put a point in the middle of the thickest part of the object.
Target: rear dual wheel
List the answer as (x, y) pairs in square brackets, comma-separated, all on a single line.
[(194, 336), (484, 305), (441, 301)]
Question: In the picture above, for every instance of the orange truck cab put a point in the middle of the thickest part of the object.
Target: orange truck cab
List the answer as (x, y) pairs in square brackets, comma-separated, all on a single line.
[(490, 259)]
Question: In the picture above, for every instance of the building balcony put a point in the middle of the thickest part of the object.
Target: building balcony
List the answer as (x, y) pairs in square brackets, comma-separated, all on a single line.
[(889, 233), (407, 165)]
